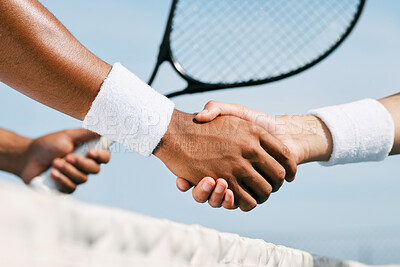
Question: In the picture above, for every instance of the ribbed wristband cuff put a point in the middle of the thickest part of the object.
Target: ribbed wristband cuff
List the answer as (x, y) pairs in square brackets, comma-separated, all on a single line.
[(361, 131), (129, 111)]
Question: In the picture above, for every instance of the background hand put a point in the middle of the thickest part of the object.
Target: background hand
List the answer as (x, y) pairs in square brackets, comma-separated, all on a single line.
[(306, 137), (55, 150)]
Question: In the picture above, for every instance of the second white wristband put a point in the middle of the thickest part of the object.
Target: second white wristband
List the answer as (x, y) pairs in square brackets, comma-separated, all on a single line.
[(361, 131)]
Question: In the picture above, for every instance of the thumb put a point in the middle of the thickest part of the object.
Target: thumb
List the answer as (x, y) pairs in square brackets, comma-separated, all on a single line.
[(79, 136), (211, 110), (214, 108)]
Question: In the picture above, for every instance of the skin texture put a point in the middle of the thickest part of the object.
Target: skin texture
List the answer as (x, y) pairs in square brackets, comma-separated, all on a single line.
[(40, 58), (27, 158), (253, 162), (306, 136)]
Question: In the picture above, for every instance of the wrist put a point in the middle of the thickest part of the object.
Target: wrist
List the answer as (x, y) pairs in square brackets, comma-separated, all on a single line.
[(128, 111), (17, 154), (169, 141), (312, 141), (23, 157), (361, 131)]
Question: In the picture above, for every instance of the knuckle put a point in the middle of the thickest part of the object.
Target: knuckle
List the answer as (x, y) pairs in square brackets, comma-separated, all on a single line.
[(286, 152), (240, 171), (259, 133), (265, 195), (281, 174), (251, 151), (212, 103), (249, 206)]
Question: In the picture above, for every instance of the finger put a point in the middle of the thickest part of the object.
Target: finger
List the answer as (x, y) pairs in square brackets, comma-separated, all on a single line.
[(182, 184), (229, 200), (70, 171), (245, 202), (270, 169), (202, 191), (217, 196), (210, 111), (65, 184), (78, 136), (255, 185), (85, 165), (242, 197), (214, 109), (280, 153), (99, 155)]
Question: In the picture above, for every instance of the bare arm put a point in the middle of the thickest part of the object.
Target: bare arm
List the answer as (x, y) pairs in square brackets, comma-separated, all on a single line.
[(12, 149), (40, 58), (306, 136), (392, 104)]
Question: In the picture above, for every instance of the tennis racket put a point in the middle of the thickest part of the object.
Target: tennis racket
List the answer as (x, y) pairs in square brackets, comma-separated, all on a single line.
[(220, 44)]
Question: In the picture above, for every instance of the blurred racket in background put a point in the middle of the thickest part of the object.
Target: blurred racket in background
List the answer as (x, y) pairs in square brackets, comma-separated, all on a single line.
[(219, 44)]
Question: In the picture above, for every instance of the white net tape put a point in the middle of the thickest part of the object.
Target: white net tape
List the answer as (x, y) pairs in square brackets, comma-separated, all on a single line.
[(38, 230)]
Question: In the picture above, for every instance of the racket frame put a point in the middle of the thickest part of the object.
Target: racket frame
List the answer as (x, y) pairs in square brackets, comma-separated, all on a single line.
[(195, 86)]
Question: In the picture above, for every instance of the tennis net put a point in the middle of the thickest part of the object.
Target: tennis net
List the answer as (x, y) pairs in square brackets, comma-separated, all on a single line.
[(41, 230)]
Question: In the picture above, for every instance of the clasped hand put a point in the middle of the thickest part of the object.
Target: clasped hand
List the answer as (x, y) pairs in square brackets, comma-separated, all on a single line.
[(276, 145), (253, 162)]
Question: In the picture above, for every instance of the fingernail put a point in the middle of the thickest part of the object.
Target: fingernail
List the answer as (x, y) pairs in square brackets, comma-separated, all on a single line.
[(219, 189), (227, 198), (179, 186), (93, 152), (71, 159), (207, 187), (55, 173), (58, 163)]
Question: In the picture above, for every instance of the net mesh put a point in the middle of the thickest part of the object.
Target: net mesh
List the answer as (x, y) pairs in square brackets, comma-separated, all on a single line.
[(233, 41)]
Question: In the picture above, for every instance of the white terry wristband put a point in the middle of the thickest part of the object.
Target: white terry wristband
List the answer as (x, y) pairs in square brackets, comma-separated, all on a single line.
[(361, 131), (129, 111)]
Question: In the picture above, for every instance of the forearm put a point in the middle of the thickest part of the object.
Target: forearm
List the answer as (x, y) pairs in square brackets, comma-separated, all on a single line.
[(12, 150), (40, 58), (318, 140), (392, 104)]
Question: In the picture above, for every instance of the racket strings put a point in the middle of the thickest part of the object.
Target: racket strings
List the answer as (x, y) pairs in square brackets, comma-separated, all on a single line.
[(234, 41)]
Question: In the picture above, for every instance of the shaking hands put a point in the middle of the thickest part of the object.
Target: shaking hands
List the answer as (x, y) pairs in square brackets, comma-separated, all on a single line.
[(293, 140), (253, 162)]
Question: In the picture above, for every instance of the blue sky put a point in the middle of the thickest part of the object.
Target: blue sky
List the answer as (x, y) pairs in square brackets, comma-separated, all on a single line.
[(347, 212)]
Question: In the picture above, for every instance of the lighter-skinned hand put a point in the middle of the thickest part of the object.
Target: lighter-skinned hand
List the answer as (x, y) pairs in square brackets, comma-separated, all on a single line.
[(306, 137)]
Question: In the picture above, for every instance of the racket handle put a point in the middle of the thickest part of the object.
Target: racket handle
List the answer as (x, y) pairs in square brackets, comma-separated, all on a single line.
[(45, 184)]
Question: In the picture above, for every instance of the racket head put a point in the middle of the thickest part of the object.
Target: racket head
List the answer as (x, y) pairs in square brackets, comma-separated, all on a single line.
[(219, 44)]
